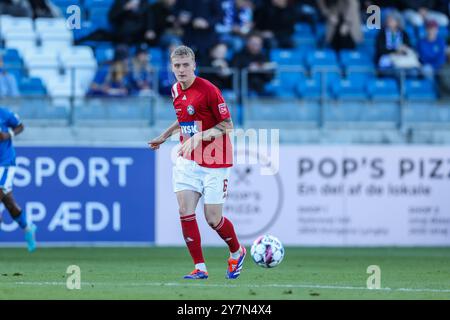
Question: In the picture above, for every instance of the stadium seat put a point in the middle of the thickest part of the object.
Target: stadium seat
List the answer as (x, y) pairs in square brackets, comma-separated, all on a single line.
[(42, 63), (309, 88), (21, 40), (420, 90), (284, 83), (98, 3), (322, 59), (32, 87), (53, 33), (383, 89), (15, 24), (303, 35), (81, 61), (98, 16), (357, 74), (55, 25), (412, 34), (353, 59), (156, 56), (11, 58), (349, 90), (104, 53), (286, 56)]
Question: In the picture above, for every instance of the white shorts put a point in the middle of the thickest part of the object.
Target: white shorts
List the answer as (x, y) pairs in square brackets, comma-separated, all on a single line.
[(6, 179), (212, 183)]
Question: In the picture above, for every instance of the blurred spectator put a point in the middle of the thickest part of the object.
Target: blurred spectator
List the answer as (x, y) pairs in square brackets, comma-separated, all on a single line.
[(417, 12), (218, 68), (141, 73), (261, 70), (8, 84), (112, 80), (164, 22), (16, 8), (431, 50), (117, 80), (131, 22), (44, 9), (237, 21), (198, 19), (276, 20), (393, 49), (343, 23)]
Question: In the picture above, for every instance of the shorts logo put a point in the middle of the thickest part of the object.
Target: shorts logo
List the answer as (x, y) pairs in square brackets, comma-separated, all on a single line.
[(190, 109), (223, 109)]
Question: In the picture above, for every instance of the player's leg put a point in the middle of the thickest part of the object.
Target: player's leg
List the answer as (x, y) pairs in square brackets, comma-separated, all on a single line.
[(215, 184), (6, 197), (187, 202), (20, 217), (188, 191)]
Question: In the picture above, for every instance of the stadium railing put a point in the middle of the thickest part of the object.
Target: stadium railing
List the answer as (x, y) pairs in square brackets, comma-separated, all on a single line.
[(291, 96)]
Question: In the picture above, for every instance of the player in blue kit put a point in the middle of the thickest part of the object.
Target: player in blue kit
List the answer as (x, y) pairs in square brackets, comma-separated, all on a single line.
[(10, 126)]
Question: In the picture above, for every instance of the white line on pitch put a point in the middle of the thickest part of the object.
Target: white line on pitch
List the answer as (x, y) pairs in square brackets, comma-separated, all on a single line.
[(177, 284)]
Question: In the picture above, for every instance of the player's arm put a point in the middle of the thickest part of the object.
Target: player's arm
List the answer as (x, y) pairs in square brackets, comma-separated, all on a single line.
[(216, 131), (11, 132), (156, 142)]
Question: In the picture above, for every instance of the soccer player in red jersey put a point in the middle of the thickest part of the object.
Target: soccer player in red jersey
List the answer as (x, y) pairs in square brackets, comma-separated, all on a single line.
[(204, 160)]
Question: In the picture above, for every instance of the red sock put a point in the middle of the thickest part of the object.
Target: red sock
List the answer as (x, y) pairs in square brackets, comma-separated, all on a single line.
[(225, 230), (191, 235)]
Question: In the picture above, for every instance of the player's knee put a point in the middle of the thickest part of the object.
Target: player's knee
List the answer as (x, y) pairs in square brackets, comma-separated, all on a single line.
[(11, 205), (183, 211), (212, 220)]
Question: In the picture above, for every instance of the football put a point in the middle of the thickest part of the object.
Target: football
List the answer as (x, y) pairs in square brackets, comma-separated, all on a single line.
[(267, 251)]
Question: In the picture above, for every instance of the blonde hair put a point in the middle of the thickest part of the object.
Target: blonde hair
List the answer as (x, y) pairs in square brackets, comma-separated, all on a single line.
[(182, 51)]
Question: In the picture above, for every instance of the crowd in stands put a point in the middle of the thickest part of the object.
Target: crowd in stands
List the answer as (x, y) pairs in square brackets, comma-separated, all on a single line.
[(227, 34)]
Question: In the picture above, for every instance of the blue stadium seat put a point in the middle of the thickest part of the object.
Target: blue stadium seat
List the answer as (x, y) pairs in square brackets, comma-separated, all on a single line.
[(32, 87), (309, 88), (369, 33), (357, 74), (287, 56), (104, 53), (303, 35), (11, 58), (353, 58), (383, 89), (156, 56), (416, 89), (349, 90), (322, 59), (412, 34), (283, 86), (99, 17), (98, 3)]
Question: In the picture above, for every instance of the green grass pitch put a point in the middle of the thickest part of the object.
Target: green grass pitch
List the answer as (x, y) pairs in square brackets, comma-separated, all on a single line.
[(156, 273)]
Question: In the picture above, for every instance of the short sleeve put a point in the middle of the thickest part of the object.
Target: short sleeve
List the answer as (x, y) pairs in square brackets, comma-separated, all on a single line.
[(12, 119), (218, 105)]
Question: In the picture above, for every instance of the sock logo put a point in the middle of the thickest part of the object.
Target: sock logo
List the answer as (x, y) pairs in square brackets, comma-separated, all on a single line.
[(188, 239), (228, 239)]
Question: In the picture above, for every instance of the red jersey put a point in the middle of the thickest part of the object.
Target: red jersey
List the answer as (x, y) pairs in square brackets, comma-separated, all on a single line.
[(199, 108)]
